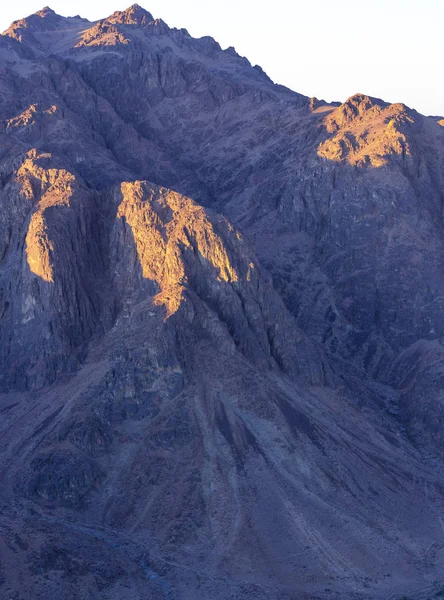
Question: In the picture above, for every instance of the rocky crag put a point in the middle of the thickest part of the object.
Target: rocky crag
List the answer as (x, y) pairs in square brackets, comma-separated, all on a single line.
[(221, 325)]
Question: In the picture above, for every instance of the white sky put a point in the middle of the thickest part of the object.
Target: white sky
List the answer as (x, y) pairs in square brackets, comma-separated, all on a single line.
[(391, 49)]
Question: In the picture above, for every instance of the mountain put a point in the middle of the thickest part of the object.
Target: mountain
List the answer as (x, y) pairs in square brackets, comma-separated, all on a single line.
[(221, 326)]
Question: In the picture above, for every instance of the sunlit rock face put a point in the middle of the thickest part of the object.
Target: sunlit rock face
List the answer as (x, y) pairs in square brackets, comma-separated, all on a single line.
[(163, 224), (221, 325), (134, 15), (367, 132), (49, 300)]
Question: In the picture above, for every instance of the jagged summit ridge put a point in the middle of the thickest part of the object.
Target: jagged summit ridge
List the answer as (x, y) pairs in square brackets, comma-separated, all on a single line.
[(45, 12), (133, 15), (43, 20), (121, 32), (47, 19)]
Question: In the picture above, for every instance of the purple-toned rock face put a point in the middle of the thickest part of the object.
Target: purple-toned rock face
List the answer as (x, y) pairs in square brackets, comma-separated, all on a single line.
[(221, 325)]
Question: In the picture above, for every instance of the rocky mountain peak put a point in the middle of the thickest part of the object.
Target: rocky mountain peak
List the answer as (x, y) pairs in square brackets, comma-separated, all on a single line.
[(368, 131), (363, 101), (133, 15), (45, 12), (44, 20), (353, 108)]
